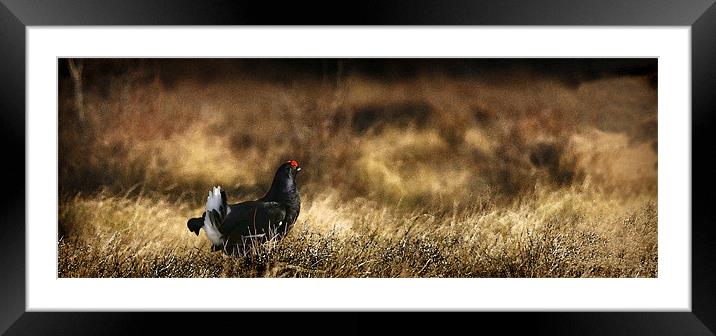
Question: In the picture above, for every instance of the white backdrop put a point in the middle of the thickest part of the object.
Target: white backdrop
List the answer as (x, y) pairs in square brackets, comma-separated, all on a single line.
[(670, 291)]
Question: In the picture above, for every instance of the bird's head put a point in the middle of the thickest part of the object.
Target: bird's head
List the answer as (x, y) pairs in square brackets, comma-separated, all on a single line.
[(284, 182), (290, 167)]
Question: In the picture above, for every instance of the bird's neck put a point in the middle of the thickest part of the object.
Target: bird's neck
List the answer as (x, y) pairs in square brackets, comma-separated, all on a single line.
[(282, 191)]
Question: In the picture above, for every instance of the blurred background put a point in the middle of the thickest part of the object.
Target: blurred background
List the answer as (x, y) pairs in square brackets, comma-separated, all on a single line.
[(414, 129)]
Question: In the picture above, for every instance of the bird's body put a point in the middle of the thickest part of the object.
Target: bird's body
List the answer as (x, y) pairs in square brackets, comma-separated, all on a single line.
[(233, 228)]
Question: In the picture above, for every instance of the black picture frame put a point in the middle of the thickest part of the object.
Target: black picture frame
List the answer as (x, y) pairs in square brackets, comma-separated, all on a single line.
[(16, 15)]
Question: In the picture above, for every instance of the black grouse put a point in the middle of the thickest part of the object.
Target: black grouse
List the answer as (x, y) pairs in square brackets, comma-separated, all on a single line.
[(233, 228)]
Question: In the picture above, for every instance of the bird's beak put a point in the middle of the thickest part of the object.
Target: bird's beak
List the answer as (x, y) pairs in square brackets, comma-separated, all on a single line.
[(298, 169)]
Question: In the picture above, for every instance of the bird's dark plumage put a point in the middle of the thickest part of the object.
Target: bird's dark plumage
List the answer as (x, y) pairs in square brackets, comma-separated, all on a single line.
[(235, 227)]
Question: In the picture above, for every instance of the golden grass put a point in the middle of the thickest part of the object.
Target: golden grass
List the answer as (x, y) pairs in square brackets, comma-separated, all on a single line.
[(449, 178), (557, 234)]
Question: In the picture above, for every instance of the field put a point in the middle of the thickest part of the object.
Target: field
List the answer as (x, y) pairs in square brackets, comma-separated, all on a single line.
[(423, 175)]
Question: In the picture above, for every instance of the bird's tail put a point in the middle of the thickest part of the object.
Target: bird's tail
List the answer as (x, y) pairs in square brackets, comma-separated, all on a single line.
[(194, 224), (216, 202), (216, 211)]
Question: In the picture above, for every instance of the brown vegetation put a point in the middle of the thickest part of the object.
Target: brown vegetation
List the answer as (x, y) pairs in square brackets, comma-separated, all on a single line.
[(428, 176)]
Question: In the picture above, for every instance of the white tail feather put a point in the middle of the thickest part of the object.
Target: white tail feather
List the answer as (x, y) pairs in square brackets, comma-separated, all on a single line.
[(213, 202)]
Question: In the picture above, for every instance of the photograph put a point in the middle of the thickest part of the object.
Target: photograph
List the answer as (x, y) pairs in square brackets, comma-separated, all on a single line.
[(357, 168), (479, 163)]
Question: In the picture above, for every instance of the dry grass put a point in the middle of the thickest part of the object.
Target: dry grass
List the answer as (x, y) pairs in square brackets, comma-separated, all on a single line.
[(426, 177), (556, 234)]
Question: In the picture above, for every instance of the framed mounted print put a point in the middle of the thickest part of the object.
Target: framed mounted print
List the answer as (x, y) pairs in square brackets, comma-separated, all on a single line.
[(545, 170)]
